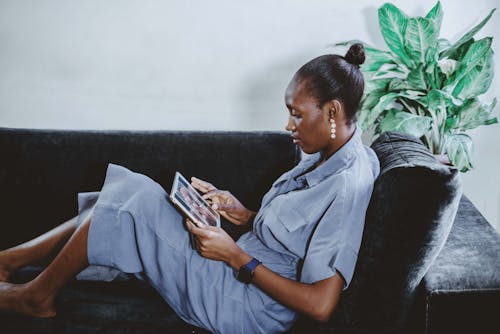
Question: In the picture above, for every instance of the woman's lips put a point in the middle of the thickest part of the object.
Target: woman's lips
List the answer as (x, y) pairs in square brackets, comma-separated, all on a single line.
[(295, 139)]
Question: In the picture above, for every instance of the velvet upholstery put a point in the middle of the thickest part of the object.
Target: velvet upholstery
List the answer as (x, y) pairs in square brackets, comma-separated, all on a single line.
[(404, 277), (43, 170), (463, 283)]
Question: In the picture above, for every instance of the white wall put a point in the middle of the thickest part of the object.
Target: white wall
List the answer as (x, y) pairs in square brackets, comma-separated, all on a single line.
[(219, 64)]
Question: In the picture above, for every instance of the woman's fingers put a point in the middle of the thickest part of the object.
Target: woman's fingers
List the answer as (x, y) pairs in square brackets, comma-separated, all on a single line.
[(189, 224), (202, 232), (213, 198), (201, 185), (219, 198), (210, 194)]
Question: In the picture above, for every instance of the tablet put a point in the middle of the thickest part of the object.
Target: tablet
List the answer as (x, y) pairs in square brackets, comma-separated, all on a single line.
[(190, 202)]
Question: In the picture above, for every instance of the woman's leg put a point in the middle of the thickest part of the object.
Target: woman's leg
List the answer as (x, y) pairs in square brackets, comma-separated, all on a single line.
[(36, 298), (45, 246)]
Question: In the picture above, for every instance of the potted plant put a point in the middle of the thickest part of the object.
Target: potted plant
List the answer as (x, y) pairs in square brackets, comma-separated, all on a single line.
[(425, 85)]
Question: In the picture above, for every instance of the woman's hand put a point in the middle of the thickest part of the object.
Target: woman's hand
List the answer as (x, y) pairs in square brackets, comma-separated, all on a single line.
[(224, 202), (215, 244)]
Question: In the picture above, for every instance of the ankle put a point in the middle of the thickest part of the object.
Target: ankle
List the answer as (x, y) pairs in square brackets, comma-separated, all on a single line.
[(36, 298)]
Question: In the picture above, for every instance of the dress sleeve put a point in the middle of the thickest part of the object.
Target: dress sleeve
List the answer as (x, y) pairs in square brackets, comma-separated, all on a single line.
[(334, 244)]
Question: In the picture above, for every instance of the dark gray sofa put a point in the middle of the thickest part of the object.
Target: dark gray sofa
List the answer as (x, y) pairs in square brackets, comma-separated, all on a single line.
[(429, 262)]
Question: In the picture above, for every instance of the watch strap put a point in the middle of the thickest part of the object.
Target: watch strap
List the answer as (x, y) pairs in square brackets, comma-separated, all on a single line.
[(252, 264), (245, 274)]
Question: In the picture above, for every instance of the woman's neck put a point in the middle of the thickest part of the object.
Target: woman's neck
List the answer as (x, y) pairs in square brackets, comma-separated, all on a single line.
[(343, 135)]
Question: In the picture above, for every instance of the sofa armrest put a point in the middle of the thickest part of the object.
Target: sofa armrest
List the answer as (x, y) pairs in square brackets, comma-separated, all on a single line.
[(462, 286)]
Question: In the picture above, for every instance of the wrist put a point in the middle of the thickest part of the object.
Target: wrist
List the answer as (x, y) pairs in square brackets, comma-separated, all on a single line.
[(239, 258), (250, 216)]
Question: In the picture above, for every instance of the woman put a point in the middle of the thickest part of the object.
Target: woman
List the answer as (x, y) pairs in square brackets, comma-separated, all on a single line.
[(298, 258)]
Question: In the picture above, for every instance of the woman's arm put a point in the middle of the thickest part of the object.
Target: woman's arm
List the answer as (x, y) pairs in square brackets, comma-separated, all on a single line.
[(317, 300)]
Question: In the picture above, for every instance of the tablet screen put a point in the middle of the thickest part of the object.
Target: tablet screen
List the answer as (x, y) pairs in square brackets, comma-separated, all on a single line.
[(191, 203)]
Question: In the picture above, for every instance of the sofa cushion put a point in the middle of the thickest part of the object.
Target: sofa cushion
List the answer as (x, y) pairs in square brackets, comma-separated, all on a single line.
[(413, 205)]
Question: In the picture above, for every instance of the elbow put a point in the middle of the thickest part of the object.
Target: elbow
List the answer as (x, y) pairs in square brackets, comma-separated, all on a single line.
[(323, 314), (324, 299), (321, 319)]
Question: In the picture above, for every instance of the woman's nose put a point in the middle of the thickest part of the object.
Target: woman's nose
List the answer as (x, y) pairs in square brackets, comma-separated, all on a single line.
[(290, 126)]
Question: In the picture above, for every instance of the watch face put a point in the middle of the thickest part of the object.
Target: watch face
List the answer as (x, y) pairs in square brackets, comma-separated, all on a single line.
[(245, 275)]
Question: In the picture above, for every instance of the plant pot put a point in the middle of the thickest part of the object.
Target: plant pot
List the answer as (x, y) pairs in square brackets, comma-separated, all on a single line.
[(443, 158)]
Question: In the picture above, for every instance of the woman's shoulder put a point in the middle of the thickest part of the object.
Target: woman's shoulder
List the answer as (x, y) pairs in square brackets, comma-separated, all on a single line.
[(373, 161)]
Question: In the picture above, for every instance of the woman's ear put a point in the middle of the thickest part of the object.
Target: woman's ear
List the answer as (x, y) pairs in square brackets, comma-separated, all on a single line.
[(336, 108)]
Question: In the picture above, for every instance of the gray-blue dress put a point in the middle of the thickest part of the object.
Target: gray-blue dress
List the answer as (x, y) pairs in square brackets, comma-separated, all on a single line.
[(314, 218)]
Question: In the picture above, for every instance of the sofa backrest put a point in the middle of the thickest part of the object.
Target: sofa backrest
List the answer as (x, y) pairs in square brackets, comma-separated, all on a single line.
[(42, 170), (411, 211)]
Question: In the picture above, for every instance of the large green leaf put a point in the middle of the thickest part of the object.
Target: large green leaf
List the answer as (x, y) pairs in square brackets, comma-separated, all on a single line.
[(460, 52), (443, 44), (435, 99), (370, 100), (375, 66), (398, 85), (475, 53), (369, 116), (414, 95), (436, 106), (436, 16), (450, 99), (420, 35), (386, 72), (393, 23), (436, 96), (474, 113), (477, 80), (459, 150), (465, 38), (373, 85), (474, 56), (416, 78), (374, 55), (396, 120), (374, 69)]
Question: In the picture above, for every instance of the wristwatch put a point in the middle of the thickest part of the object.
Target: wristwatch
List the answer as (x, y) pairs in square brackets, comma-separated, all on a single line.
[(245, 274)]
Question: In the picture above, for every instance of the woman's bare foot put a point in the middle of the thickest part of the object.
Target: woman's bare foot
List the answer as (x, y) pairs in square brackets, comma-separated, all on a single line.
[(19, 298)]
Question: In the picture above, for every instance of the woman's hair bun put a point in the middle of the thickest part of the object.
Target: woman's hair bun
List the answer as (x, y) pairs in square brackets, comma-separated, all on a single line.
[(356, 54)]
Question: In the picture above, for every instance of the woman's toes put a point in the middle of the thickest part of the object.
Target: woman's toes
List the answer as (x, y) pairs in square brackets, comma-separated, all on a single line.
[(18, 298)]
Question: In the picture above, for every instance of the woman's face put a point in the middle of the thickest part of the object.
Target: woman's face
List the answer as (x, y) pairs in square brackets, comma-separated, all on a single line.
[(309, 124)]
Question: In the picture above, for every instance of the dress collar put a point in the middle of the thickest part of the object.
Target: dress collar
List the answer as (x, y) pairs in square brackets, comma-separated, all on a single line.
[(333, 164)]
